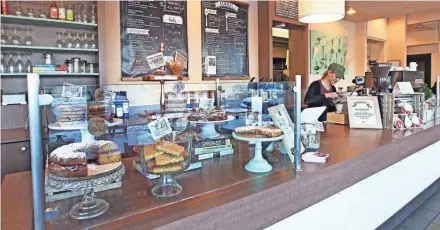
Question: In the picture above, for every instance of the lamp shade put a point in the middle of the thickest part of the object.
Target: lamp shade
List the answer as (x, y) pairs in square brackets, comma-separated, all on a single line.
[(321, 11)]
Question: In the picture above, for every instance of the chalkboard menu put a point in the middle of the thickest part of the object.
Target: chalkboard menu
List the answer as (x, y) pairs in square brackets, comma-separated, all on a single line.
[(286, 8), (225, 39), (152, 33)]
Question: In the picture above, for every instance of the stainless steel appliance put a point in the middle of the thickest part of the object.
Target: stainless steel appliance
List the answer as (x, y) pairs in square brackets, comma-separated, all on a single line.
[(416, 78)]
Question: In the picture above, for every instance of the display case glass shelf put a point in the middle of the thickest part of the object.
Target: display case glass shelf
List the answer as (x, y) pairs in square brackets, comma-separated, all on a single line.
[(46, 48), (52, 74), (46, 22)]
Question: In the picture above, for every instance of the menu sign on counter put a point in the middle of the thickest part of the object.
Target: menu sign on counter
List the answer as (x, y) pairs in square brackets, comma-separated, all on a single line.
[(286, 9), (152, 34), (364, 112), (225, 39)]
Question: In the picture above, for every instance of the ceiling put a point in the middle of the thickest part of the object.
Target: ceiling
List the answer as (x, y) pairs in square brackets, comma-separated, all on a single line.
[(368, 10)]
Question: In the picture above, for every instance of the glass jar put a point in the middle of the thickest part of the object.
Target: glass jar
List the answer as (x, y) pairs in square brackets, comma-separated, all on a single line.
[(310, 137)]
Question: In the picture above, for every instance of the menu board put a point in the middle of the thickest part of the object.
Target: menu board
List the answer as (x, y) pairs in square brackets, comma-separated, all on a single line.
[(286, 8), (152, 34), (225, 39)]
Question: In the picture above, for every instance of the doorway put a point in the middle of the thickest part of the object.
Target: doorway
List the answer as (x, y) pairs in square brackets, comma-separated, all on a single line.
[(423, 64)]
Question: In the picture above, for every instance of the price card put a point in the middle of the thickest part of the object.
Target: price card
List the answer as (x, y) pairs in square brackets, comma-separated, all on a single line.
[(97, 126), (70, 90), (160, 128), (282, 120), (206, 103), (156, 60), (319, 127)]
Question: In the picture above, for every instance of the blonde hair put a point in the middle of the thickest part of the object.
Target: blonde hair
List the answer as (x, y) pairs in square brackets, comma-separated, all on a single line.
[(324, 75)]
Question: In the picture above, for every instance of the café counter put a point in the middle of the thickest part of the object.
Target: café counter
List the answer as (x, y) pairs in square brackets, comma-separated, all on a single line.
[(210, 201)]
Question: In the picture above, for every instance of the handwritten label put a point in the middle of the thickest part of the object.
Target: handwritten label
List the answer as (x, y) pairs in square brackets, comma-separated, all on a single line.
[(97, 126), (156, 60), (70, 90), (206, 103), (160, 128), (364, 112)]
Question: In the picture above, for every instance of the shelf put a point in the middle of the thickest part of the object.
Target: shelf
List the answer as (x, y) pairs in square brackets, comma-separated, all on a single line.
[(52, 74), (46, 22), (46, 48)]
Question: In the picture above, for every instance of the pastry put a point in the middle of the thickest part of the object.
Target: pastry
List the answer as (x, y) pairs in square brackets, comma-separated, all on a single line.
[(151, 152), (165, 159), (173, 149), (99, 94), (76, 154), (208, 115), (109, 153), (70, 113), (258, 132), (79, 170), (99, 109), (158, 169)]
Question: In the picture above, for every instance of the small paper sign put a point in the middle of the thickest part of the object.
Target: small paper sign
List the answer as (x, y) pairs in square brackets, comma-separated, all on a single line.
[(257, 105), (156, 60), (319, 127), (282, 120), (181, 59), (160, 128), (403, 88), (211, 64), (97, 126), (206, 103), (70, 90)]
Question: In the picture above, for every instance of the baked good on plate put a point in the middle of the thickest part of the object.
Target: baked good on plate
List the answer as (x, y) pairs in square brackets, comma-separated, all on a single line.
[(208, 115), (74, 157), (168, 159), (169, 168), (258, 131), (173, 149), (164, 157)]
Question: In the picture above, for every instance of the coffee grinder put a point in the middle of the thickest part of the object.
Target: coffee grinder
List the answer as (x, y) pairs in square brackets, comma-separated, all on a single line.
[(381, 85)]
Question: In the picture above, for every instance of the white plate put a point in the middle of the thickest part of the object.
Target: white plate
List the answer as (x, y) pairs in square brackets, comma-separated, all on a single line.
[(257, 139)]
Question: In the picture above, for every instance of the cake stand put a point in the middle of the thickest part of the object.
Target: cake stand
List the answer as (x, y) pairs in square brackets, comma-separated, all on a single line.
[(83, 127), (98, 176), (258, 164), (208, 128)]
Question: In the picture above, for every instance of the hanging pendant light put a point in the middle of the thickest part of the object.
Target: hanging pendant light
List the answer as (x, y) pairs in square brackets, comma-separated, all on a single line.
[(321, 11)]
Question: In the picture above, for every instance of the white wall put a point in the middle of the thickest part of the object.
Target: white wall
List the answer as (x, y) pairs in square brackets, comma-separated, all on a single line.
[(377, 29), (341, 28)]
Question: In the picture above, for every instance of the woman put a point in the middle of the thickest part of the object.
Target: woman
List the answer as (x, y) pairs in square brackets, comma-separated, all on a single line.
[(322, 92)]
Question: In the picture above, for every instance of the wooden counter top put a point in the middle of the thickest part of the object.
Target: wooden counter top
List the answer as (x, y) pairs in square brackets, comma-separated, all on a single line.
[(222, 195)]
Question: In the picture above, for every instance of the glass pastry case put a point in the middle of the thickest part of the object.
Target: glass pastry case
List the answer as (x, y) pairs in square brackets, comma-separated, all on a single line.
[(113, 152)]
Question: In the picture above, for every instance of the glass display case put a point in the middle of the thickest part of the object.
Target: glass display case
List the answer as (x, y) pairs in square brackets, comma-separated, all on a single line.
[(112, 151)]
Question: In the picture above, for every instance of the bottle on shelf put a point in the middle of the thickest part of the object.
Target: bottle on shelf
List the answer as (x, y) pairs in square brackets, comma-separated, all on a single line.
[(69, 12), (62, 11), (53, 11), (4, 7)]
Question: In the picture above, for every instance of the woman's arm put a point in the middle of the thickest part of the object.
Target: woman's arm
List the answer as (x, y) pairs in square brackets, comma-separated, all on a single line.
[(314, 97)]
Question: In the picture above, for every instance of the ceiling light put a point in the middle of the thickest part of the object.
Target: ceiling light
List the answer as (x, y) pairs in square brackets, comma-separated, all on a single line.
[(321, 11), (351, 11)]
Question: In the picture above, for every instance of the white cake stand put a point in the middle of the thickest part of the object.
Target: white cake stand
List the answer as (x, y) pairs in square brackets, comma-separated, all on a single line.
[(258, 164), (208, 128), (83, 127)]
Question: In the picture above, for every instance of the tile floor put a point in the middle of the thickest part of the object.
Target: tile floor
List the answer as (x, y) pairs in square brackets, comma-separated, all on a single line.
[(425, 217)]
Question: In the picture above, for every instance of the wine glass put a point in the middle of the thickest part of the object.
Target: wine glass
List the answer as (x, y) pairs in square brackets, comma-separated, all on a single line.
[(28, 65), (174, 158), (92, 13), (5, 38), (92, 41), (30, 9), (84, 14), (42, 10), (28, 39), (18, 9), (3, 65), (19, 65), (68, 43), (77, 41), (78, 12), (16, 40), (85, 41), (10, 68), (59, 43)]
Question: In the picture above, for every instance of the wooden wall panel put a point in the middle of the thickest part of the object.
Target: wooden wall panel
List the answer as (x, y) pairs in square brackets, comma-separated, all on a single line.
[(298, 54)]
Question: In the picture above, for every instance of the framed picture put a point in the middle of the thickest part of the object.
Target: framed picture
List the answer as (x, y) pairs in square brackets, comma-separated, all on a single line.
[(364, 112)]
